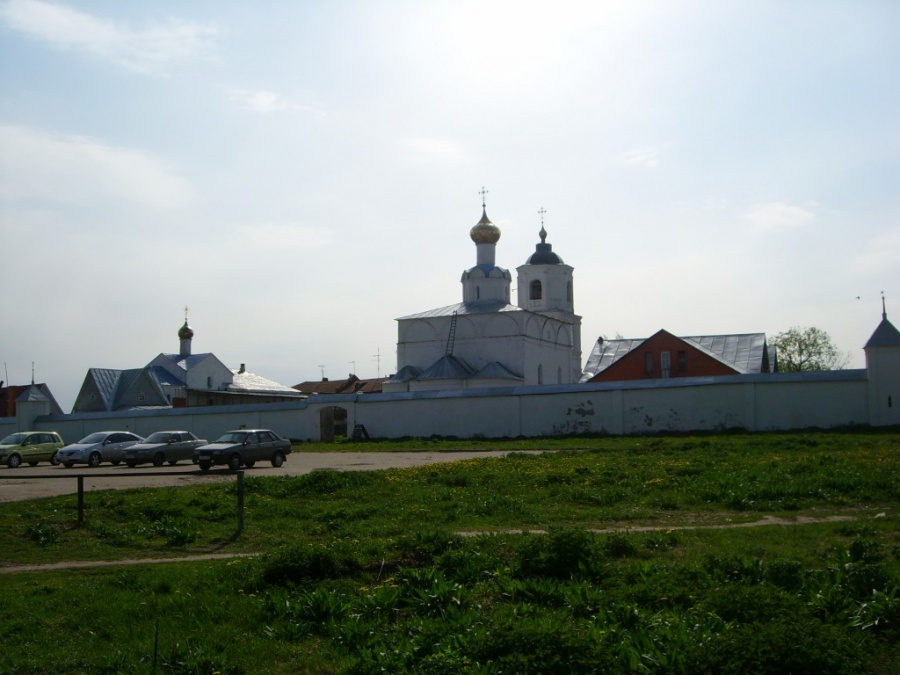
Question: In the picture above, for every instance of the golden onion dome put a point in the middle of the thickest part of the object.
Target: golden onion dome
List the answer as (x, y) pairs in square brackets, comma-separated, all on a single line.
[(485, 232), (185, 332)]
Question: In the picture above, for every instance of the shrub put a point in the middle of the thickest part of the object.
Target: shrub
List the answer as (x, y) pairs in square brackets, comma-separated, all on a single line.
[(423, 547), (562, 554), (305, 562), (790, 646)]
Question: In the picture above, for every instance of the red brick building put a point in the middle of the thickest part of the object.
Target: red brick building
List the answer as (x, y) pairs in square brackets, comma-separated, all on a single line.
[(664, 355)]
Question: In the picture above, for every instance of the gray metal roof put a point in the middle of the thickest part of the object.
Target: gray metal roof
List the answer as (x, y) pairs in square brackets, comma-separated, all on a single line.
[(886, 335), (447, 367), (744, 352), (462, 308), (113, 385), (496, 371), (256, 384), (166, 378), (41, 393), (187, 362), (605, 353), (405, 374)]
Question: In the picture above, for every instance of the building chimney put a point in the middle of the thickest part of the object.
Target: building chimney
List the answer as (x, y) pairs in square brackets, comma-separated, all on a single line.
[(243, 369)]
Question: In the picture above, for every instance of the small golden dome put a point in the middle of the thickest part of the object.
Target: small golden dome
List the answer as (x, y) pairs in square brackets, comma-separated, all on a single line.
[(185, 332), (485, 232)]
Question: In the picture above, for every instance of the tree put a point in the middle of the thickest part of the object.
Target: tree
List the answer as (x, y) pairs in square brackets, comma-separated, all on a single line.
[(805, 349)]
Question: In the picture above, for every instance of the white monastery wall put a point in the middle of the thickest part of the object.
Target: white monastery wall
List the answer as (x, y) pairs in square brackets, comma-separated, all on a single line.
[(752, 402)]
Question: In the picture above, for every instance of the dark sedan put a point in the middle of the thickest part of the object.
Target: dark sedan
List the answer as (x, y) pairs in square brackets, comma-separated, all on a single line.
[(162, 447), (243, 447)]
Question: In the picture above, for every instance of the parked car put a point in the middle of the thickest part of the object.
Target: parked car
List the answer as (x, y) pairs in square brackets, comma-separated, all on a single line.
[(31, 447), (243, 447), (101, 446), (163, 446)]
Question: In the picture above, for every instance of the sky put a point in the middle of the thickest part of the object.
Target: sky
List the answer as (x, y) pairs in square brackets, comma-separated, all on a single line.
[(299, 174)]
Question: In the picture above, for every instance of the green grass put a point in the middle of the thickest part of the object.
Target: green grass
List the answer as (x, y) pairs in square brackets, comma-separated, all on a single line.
[(364, 572)]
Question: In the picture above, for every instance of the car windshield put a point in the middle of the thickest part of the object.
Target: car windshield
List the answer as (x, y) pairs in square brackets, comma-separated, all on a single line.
[(233, 437), (159, 437), (14, 439), (98, 437)]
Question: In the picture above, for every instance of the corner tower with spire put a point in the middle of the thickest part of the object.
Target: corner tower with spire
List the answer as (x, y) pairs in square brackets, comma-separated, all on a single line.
[(883, 372)]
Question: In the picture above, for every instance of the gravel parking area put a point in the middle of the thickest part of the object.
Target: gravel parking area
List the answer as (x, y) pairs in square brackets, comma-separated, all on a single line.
[(47, 481)]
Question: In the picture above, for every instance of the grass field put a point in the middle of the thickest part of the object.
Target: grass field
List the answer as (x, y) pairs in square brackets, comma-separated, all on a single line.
[(643, 564)]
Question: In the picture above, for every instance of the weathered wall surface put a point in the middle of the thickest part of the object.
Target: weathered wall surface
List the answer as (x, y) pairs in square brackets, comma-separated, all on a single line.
[(751, 402)]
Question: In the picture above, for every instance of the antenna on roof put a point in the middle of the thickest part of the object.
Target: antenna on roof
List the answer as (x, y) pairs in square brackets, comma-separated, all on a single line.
[(322, 368), (32, 372), (377, 358), (883, 307)]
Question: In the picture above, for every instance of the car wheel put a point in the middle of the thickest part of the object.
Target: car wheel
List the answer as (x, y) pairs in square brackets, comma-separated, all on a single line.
[(131, 465), (55, 459), (32, 463), (173, 462), (277, 459), (159, 459), (94, 460), (249, 463), (204, 466), (234, 462), (14, 461), (68, 465)]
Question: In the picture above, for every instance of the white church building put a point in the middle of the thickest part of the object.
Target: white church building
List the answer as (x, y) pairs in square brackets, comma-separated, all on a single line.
[(485, 341)]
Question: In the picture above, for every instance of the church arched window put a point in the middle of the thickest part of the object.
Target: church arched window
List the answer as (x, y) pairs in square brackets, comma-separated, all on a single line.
[(536, 290)]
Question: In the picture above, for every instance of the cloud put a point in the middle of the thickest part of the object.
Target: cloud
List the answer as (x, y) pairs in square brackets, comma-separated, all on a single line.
[(263, 101), (151, 50), (434, 150), (778, 216), (643, 157), (68, 169)]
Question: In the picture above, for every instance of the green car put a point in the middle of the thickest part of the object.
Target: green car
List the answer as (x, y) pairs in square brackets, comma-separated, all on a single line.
[(31, 447)]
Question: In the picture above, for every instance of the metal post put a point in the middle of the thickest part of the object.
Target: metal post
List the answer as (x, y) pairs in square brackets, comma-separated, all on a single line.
[(80, 501), (240, 501)]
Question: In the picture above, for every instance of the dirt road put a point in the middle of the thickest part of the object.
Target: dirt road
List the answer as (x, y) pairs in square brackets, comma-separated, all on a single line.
[(49, 481)]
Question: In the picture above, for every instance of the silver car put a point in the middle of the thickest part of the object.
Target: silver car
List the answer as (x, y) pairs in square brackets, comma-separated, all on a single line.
[(163, 446), (101, 446)]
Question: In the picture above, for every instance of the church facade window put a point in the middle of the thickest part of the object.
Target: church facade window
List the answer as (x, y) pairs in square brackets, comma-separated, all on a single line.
[(536, 291)]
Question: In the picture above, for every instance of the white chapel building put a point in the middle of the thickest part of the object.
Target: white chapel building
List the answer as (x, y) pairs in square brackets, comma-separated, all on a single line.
[(485, 341)]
